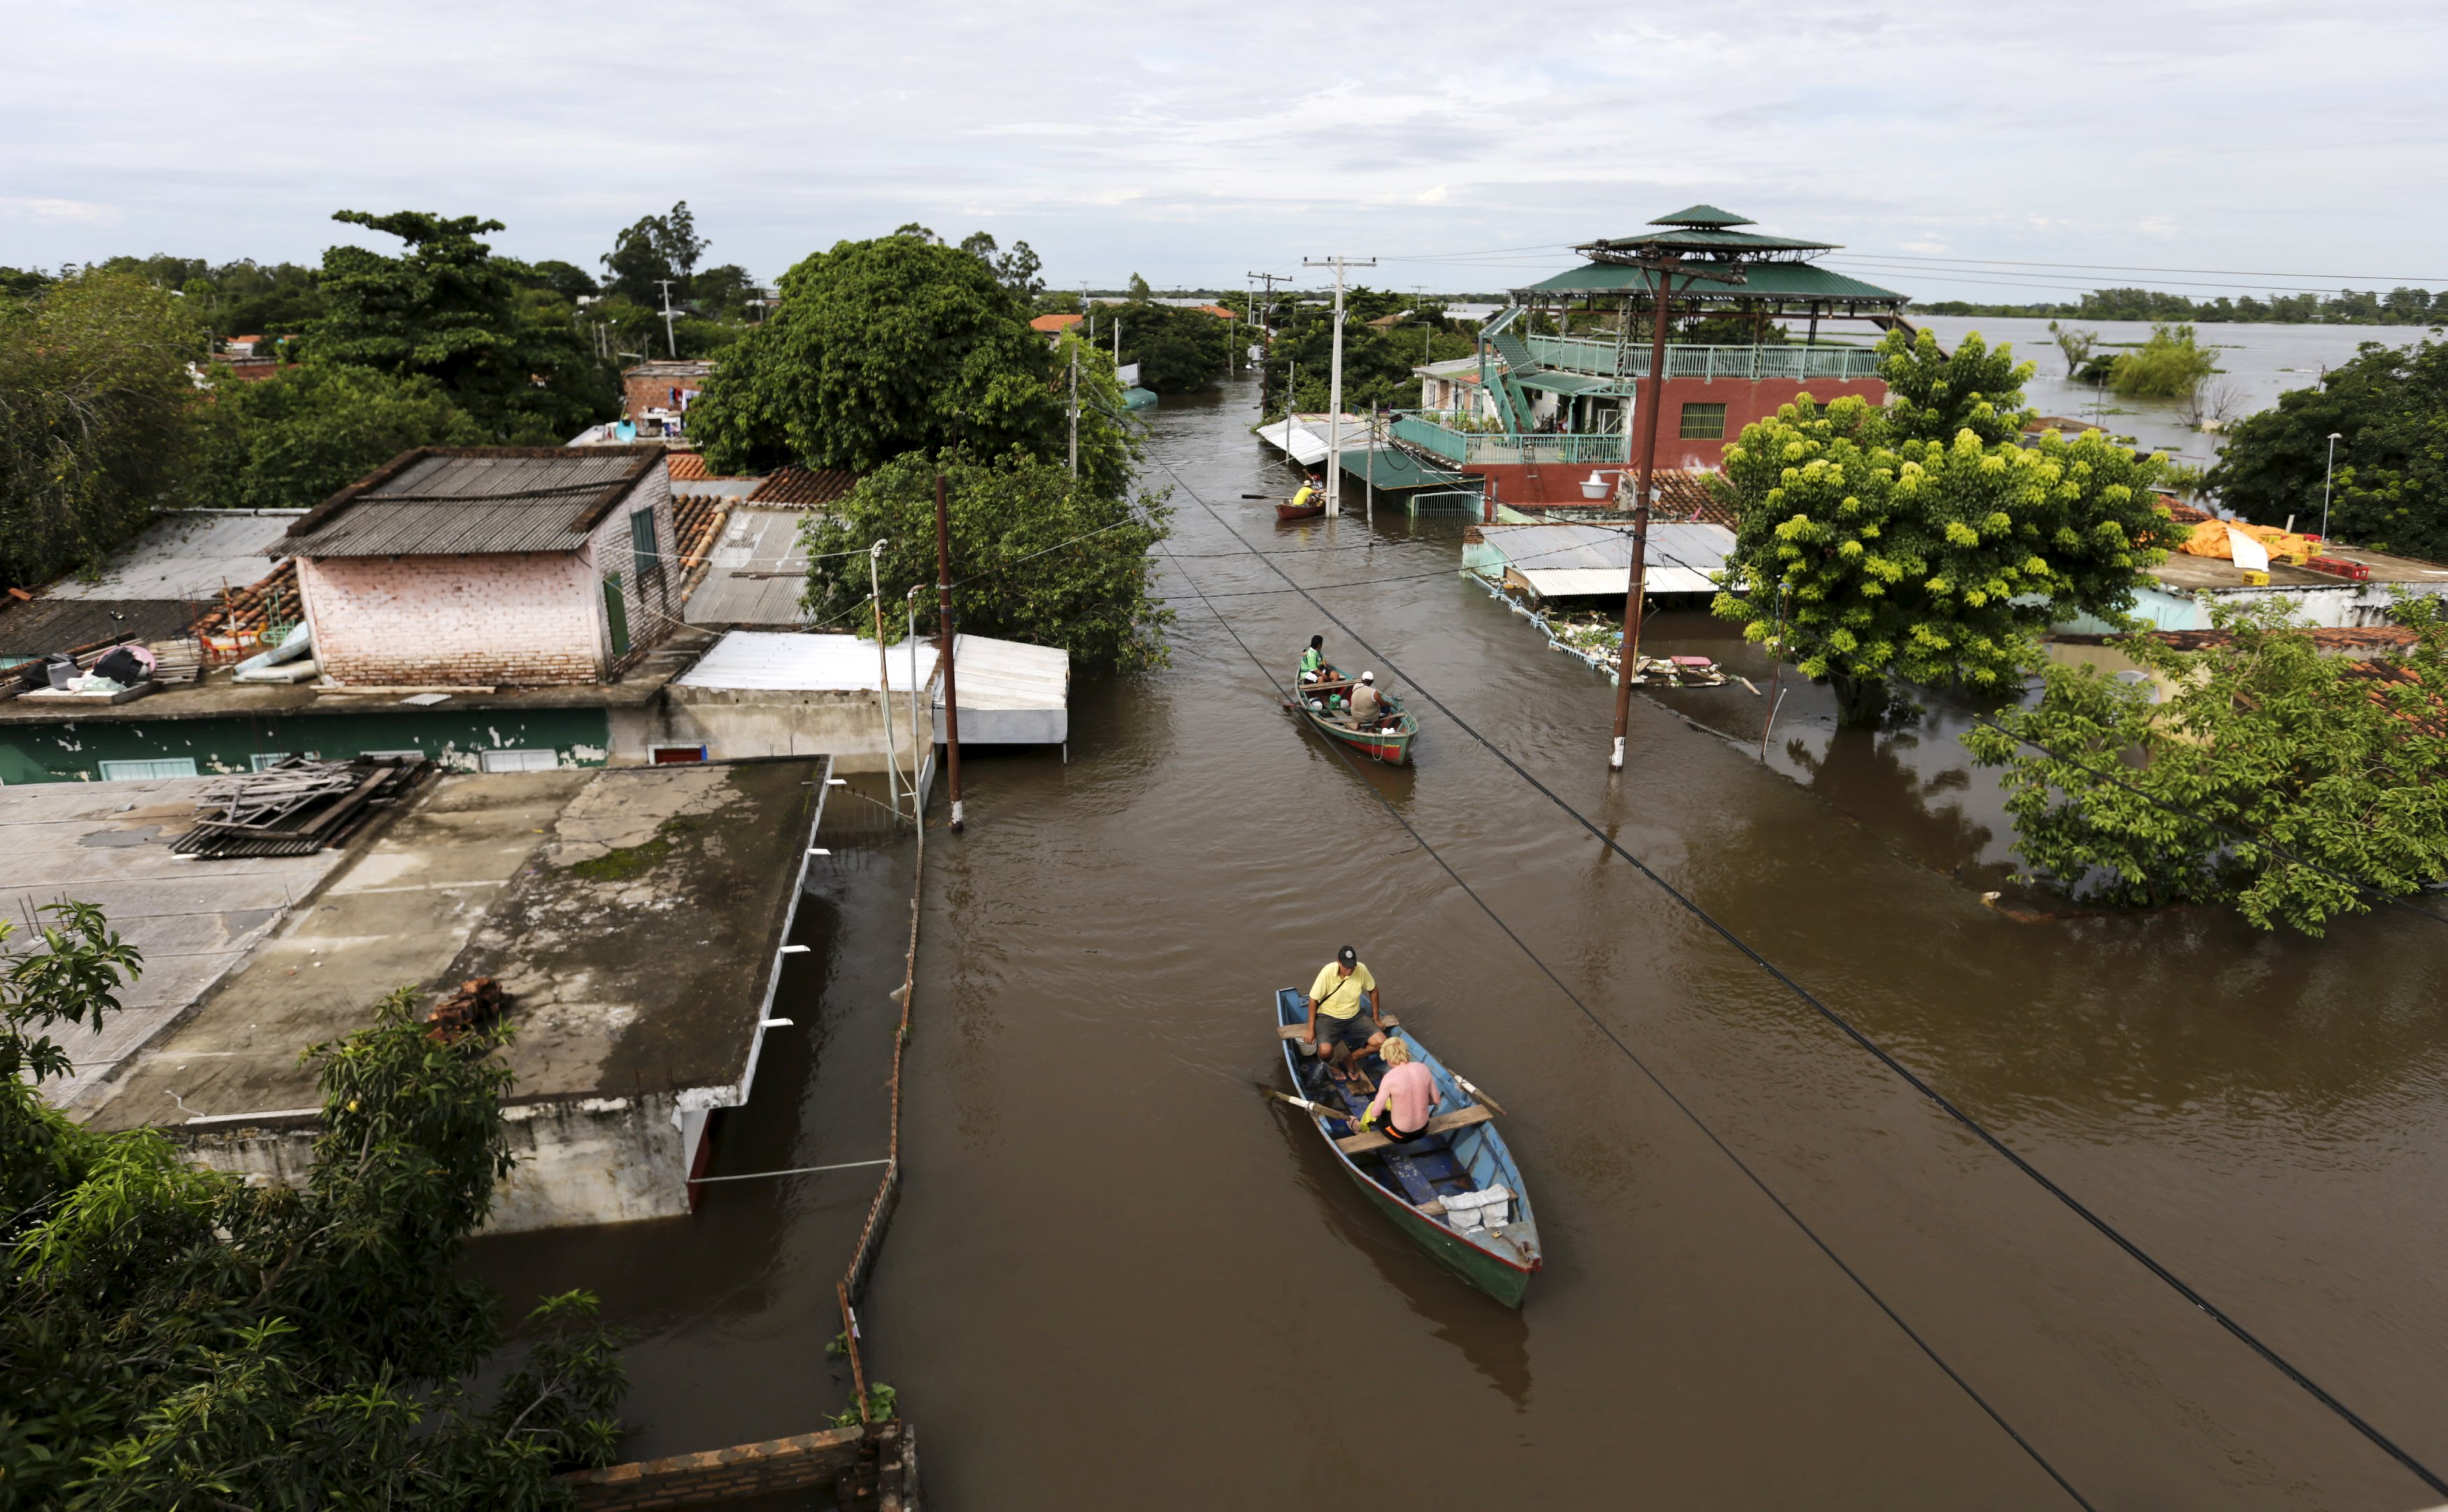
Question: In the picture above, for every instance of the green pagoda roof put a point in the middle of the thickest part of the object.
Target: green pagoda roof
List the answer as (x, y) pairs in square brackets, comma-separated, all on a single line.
[(1702, 215), (1789, 281)]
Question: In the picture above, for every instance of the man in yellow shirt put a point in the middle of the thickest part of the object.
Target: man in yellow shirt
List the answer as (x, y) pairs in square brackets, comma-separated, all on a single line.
[(1345, 1015)]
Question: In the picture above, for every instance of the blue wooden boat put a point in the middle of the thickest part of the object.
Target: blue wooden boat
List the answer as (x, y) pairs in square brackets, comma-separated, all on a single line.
[(1438, 1188)]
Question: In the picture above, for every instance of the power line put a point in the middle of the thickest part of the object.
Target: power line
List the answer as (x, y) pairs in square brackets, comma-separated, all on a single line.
[(1629, 1054), (1973, 1125)]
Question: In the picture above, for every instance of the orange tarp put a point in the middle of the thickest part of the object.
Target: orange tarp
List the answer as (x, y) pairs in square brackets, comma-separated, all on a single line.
[(2211, 540)]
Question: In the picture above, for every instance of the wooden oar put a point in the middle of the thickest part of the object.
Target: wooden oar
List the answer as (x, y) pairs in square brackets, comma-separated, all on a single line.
[(1306, 1105), (1493, 1106)]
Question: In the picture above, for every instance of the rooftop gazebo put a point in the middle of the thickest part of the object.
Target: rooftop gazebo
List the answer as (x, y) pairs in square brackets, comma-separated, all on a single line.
[(1560, 364)]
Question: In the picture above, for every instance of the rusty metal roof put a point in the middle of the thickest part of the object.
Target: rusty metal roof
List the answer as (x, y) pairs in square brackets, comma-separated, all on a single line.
[(474, 501)]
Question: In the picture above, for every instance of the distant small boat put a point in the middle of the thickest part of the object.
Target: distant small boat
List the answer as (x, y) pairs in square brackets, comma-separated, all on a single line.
[(1456, 1194), (1390, 741), (1289, 510)]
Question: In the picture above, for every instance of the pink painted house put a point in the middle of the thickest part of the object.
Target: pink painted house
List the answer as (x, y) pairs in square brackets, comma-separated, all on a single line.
[(495, 566)]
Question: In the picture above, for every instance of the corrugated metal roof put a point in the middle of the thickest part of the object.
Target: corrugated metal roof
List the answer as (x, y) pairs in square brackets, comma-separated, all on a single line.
[(1572, 560), (780, 661), (757, 572), (1710, 238), (474, 501), (1008, 673), (1764, 280), (1390, 468), (62, 624), (191, 554), (1702, 215)]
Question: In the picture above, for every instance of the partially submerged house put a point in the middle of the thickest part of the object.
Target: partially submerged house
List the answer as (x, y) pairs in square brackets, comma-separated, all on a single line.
[(1552, 397)]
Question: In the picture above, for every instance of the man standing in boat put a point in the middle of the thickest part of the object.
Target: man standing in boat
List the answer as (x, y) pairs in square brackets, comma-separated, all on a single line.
[(1344, 1014)]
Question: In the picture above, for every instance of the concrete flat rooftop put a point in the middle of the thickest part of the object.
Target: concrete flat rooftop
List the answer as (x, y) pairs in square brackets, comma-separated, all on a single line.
[(632, 914), (2184, 571), (108, 844)]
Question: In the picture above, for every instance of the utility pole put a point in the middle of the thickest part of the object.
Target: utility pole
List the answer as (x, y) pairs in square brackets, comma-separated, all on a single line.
[(1661, 273), (883, 688), (1270, 280), (1335, 384), (944, 616), (670, 340)]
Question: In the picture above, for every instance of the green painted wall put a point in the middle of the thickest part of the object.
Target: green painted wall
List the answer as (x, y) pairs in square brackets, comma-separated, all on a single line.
[(71, 751)]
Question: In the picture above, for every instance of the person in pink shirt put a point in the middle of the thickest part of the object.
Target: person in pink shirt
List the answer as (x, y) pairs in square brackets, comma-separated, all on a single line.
[(1406, 1096)]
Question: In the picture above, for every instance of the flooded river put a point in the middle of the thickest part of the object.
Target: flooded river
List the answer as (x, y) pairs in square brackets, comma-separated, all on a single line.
[(1119, 1278)]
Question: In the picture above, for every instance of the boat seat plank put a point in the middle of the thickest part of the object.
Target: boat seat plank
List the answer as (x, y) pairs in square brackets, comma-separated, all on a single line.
[(1442, 1123), (1293, 1031)]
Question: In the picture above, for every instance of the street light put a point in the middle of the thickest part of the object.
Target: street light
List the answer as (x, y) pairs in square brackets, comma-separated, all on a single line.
[(2326, 475)]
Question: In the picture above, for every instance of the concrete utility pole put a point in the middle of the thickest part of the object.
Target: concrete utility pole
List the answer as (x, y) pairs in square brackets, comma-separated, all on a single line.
[(1259, 327), (1335, 384), (1662, 278), (670, 341), (943, 616), (883, 689)]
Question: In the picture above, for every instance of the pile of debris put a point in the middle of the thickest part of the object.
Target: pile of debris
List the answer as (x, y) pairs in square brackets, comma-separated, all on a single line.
[(477, 1004), (295, 806)]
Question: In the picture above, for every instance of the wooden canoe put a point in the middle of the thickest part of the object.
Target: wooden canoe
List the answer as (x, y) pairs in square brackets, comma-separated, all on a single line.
[(1390, 743), (1288, 510), (1412, 1183)]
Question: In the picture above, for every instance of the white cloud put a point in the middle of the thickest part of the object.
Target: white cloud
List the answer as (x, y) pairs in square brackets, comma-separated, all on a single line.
[(1177, 142)]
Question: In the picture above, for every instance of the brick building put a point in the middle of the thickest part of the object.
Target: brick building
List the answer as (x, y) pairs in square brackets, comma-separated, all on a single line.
[(655, 396), (1554, 393), (490, 567)]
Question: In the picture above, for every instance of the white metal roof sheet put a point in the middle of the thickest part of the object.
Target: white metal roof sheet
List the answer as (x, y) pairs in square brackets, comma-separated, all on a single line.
[(779, 660), (1566, 582), (1696, 547), (1008, 673)]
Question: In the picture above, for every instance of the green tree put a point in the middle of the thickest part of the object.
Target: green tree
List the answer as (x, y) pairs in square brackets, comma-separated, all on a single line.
[(1038, 556), (1178, 349), (293, 440), (566, 280), (2389, 408), (505, 349), (2074, 344), (1922, 541), (2302, 767), (97, 425), (658, 247), (899, 344), (2169, 365), (176, 1337), (1376, 363), (1017, 268)]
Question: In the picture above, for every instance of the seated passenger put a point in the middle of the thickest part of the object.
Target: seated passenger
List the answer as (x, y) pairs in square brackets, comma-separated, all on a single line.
[(1368, 704), (1312, 665), (1406, 1096)]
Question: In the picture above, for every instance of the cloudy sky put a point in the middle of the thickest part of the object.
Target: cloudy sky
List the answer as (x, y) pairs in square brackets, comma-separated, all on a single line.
[(1952, 148)]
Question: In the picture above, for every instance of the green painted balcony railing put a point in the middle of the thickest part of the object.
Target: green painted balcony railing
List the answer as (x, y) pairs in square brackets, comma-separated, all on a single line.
[(1580, 355), (1472, 448)]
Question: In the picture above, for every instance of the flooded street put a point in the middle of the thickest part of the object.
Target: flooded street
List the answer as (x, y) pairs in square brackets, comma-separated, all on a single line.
[(1119, 1278)]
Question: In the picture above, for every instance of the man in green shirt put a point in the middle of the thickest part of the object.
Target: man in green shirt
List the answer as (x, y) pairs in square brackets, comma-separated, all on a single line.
[(1313, 660), (1345, 1017)]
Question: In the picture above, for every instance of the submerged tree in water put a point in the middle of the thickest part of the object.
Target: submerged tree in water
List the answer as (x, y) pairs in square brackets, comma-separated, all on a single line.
[(1922, 541), (2273, 778)]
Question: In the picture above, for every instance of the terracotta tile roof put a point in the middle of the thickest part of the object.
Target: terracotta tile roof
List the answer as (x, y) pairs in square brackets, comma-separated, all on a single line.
[(239, 619), (1051, 323), (2366, 640), (1219, 312), (803, 488), (1683, 494), (697, 518), (685, 467)]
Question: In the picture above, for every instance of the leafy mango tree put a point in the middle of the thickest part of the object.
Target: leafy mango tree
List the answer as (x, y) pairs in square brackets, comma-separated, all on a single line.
[(1922, 541), (177, 1337), (1039, 556), (2259, 772)]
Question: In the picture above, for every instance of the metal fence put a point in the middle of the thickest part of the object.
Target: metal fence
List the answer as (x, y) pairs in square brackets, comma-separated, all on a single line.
[(1578, 354), (1470, 447)]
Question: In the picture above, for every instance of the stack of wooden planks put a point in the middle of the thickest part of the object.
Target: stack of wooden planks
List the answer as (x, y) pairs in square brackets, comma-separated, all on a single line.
[(295, 806)]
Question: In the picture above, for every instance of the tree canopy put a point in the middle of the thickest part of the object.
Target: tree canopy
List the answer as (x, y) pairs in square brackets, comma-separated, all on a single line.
[(480, 326), (96, 418), (290, 441), (657, 248), (2169, 365), (2389, 407), (1179, 350), (1921, 541), (1040, 558), (1377, 362), (894, 345), (178, 1337), (2269, 772)]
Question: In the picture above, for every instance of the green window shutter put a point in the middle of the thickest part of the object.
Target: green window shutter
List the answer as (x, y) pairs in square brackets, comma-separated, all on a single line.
[(1704, 422), (642, 547), (616, 611)]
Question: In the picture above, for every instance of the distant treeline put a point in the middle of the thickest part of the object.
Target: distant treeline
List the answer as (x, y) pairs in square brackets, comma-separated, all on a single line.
[(2347, 307)]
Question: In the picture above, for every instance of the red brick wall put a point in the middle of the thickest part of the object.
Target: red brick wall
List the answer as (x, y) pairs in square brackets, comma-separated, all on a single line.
[(638, 395), (519, 620)]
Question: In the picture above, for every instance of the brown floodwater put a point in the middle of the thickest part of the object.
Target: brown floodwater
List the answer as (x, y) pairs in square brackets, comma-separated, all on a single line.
[(1119, 1278)]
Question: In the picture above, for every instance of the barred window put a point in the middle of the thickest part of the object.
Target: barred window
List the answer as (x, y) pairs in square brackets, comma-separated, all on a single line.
[(1704, 422)]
